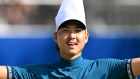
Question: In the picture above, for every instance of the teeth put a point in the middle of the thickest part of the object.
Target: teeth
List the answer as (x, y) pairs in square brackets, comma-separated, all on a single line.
[(71, 43)]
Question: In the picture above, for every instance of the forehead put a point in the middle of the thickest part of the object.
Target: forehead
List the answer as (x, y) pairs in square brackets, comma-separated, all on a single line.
[(72, 23)]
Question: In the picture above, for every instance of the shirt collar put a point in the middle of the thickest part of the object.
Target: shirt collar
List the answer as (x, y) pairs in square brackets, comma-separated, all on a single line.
[(71, 63)]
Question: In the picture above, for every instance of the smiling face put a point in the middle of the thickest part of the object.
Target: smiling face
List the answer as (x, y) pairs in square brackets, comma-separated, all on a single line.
[(71, 39)]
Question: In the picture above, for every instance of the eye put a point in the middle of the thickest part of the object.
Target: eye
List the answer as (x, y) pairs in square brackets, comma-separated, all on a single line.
[(65, 30), (78, 30)]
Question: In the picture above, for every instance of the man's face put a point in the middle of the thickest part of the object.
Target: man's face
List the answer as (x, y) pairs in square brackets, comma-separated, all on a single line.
[(71, 40)]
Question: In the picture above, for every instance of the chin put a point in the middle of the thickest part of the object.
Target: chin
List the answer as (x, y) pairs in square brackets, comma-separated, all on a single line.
[(73, 52)]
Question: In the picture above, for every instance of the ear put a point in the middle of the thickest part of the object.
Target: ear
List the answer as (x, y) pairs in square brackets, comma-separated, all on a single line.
[(86, 37), (55, 37)]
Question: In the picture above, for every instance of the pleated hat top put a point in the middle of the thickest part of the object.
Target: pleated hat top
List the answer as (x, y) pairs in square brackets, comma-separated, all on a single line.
[(71, 10)]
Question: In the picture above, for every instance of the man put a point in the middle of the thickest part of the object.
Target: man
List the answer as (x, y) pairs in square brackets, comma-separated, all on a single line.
[(71, 36)]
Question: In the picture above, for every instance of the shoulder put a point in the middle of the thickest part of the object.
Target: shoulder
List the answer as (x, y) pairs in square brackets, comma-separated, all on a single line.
[(111, 67), (29, 68), (106, 64), (107, 61), (25, 70)]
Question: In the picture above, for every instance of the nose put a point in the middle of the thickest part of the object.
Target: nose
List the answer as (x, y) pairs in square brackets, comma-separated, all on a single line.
[(72, 35)]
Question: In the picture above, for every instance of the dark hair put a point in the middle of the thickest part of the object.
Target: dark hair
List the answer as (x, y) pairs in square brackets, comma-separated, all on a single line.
[(73, 21), (57, 48)]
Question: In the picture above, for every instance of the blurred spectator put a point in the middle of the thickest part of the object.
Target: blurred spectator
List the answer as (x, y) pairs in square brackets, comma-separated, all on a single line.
[(19, 14)]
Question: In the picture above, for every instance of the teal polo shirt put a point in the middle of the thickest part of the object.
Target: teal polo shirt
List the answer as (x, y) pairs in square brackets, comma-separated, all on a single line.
[(78, 68)]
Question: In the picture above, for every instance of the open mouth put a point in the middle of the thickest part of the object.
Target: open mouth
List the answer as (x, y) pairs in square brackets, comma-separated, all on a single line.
[(71, 44)]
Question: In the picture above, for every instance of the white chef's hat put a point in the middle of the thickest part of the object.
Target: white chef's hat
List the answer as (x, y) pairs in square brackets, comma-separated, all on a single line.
[(71, 10)]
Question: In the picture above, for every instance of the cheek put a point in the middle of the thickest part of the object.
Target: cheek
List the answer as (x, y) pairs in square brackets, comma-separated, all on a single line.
[(81, 37), (62, 37)]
